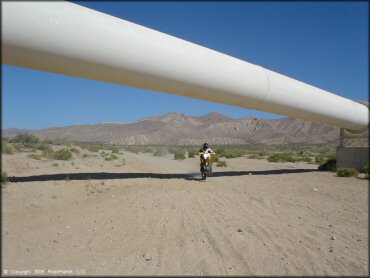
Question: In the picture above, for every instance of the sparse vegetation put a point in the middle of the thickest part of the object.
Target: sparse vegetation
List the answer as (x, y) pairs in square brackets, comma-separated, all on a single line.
[(329, 165), (230, 153), (4, 177), (366, 170), (346, 172), (221, 163), (26, 139), (111, 157), (34, 156), (179, 155), (115, 149), (48, 152), (75, 150), (191, 154), (6, 147), (55, 164), (281, 157), (160, 152), (323, 157), (134, 149), (63, 154)]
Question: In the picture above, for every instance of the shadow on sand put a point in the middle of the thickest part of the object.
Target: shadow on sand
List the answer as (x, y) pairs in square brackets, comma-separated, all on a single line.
[(110, 176)]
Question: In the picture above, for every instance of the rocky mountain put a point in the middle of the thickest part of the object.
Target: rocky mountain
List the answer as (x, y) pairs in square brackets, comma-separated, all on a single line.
[(181, 129)]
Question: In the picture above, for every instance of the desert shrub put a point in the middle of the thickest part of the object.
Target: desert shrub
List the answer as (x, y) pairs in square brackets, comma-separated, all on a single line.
[(94, 148), (329, 165), (55, 164), (123, 161), (148, 150), (4, 177), (254, 156), (221, 163), (26, 139), (48, 153), (179, 155), (63, 154), (6, 147), (110, 157), (346, 172), (42, 145), (304, 159), (63, 142), (191, 154), (160, 152), (75, 150), (115, 149), (215, 158), (34, 156), (366, 169), (322, 158), (281, 157), (134, 149), (231, 153), (85, 155)]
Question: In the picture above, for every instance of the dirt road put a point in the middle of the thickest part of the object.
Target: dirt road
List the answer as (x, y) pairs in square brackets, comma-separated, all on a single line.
[(154, 216)]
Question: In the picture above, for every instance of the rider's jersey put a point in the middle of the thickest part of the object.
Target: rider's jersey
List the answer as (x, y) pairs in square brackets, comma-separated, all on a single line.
[(207, 150)]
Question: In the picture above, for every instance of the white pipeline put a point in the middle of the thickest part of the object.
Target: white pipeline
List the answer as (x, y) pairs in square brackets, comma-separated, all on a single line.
[(69, 39)]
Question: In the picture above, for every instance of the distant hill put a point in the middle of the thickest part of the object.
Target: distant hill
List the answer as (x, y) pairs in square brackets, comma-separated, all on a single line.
[(181, 129)]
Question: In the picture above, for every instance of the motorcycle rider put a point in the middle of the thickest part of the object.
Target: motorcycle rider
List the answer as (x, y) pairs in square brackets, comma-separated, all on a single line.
[(206, 149)]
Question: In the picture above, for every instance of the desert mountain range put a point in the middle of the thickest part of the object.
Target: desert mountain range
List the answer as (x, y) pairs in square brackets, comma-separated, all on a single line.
[(181, 129)]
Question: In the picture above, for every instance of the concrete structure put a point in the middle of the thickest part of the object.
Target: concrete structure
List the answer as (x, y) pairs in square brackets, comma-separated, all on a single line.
[(352, 157)]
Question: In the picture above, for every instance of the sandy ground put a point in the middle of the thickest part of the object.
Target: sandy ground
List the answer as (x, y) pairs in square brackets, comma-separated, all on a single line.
[(154, 216)]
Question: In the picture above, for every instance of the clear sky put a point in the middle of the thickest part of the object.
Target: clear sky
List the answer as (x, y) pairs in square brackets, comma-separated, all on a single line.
[(321, 43)]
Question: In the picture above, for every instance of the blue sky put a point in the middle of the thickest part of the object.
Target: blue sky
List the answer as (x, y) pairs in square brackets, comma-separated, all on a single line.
[(321, 43)]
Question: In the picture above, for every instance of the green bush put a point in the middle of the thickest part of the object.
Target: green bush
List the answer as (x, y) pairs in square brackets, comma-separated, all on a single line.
[(34, 156), (48, 153), (134, 149), (281, 157), (329, 165), (215, 158), (4, 178), (366, 169), (75, 150), (304, 159), (115, 149), (63, 142), (230, 153), (221, 163), (26, 139), (322, 158), (110, 157), (63, 154), (94, 148), (346, 172), (191, 154), (160, 152), (254, 156), (6, 147), (179, 155), (85, 155)]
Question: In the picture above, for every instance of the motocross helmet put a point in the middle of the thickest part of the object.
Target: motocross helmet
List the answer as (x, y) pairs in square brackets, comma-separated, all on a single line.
[(205, 146)]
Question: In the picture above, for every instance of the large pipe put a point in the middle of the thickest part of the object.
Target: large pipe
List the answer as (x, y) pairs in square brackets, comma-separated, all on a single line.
[(69, 39)]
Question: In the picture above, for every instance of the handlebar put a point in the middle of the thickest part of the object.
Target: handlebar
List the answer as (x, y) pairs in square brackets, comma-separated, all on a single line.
[(200, 153)]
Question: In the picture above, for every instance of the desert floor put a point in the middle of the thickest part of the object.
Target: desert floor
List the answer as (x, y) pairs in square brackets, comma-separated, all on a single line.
[(154, 216)]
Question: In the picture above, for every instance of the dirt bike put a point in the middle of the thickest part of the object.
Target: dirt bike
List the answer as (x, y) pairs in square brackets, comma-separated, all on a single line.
[(205, 165)]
